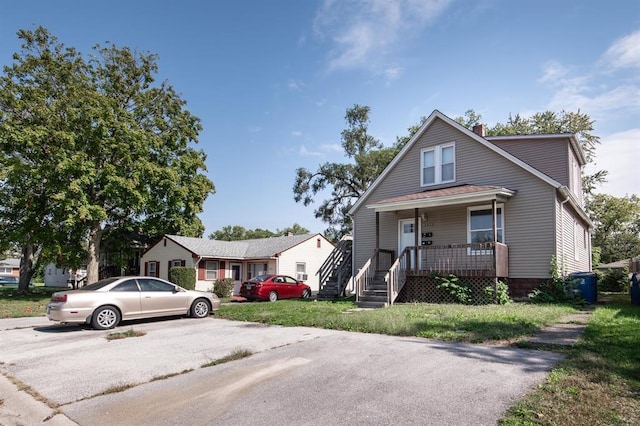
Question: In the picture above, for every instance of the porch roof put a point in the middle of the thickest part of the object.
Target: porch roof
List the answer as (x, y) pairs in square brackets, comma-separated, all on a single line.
[(462, 194)]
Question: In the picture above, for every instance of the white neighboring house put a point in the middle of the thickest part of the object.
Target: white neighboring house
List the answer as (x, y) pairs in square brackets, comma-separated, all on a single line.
[(299, 256), (60, 277)]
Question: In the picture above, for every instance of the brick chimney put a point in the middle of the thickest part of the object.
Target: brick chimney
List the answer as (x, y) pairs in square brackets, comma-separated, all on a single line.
[(479, 130)]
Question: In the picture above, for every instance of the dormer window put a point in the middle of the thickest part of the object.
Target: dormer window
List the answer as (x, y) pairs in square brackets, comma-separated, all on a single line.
[(438, 164)]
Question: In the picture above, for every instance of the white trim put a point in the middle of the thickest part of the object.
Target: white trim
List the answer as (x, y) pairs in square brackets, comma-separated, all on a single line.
[(485, 207), (207, 270), (437, 164)]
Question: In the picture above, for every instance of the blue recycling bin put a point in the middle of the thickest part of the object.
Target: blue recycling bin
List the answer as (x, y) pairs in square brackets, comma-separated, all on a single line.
[(587, 285), (635, 290)]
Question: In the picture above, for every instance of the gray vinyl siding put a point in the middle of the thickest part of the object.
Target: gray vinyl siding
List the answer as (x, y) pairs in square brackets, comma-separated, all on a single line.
[(573, 244), (529, 215), (550, 156)]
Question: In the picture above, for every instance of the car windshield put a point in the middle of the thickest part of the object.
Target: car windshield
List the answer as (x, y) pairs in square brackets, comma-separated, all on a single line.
[(99, 284)]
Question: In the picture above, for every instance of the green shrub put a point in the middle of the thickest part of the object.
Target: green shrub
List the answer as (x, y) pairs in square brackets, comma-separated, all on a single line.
[(502, 293), (183, 276), (614, 280), (461, 292), (558, 289), (224, 287)]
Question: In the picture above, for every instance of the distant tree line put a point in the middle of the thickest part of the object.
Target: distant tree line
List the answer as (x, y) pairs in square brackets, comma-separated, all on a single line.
[(237, 233)]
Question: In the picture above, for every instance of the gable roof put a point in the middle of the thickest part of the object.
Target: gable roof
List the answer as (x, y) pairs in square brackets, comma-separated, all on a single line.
[(244, 249), (428, 122)]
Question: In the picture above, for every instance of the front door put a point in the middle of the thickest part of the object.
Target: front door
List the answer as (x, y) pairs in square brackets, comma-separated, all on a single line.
[(407, 237), (236, 274)]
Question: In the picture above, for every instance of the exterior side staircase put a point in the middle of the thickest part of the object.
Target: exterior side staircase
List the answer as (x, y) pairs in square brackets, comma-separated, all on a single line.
[(335, 272)]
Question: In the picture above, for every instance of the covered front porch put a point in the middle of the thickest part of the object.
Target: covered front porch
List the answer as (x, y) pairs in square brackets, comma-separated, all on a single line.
[(468, 245)]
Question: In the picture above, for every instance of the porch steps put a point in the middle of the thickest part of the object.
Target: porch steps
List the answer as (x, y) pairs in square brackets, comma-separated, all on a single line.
[(375, 296)]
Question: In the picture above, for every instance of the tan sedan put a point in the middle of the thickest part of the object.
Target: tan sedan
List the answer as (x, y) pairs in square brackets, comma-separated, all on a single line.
[(105, 303)]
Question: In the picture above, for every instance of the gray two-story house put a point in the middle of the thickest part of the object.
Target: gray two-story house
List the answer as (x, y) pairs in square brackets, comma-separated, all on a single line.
[(454, 201)]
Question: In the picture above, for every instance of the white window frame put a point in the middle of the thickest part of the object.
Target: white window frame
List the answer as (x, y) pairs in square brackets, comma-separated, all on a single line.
[(301, 271), (437, 164), (176, 263), (256, 269), (6, 270), (211, 271), (500, 226), (152, 268)]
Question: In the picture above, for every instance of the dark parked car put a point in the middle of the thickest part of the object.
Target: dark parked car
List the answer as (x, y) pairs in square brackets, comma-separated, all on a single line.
[(8, 280), (274, 287)]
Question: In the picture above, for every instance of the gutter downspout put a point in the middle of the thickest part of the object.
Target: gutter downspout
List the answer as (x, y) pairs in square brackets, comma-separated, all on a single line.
[(562, 232)]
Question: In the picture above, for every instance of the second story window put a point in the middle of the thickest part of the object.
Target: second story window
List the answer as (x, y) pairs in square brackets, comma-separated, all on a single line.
[(438, 165)]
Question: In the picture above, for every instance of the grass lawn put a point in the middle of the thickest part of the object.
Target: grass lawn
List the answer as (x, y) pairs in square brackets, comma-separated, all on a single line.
[(597, 384), (32, 304), (445, 322)]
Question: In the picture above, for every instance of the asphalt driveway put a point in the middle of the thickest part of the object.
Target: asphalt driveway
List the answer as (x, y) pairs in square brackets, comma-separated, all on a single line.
[(296, 375)]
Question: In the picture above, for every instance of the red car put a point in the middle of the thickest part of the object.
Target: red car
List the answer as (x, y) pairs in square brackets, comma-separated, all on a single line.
[(274, 287)]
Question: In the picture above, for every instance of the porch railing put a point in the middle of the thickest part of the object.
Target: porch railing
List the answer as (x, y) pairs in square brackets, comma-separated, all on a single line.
[(477, 259), (467, 260)]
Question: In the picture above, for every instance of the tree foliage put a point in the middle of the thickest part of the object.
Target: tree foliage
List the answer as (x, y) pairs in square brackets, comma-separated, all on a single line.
[(617, 226), (346, 181), (94, 146), (237, 233)]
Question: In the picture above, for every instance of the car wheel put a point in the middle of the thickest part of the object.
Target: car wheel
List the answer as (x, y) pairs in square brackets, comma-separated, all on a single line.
[(200, 309), (306, 293), (273, 296), (105, 317)]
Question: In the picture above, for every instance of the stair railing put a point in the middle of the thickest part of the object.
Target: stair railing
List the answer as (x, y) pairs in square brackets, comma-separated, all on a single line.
[(397, 275), (380, 261), (335, 262)]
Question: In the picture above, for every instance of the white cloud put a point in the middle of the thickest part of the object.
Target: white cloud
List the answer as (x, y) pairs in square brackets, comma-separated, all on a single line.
[(296, 133), (304, 152), (323, 150), (391, 74), (597, 91), (619, 154), (295, 85), (624, 52), (333, 147), (363, 33)]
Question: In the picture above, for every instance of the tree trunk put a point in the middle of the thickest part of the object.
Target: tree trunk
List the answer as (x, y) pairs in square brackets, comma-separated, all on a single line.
[(27, 266), (93, 262)]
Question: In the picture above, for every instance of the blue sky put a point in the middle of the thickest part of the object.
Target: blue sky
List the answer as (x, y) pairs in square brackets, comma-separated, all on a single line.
[(271, 80)]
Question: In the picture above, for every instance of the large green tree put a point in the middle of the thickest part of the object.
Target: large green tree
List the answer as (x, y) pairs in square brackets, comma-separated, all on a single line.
[(617, 226), (237, 233), (347, 181), (93, 145)]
